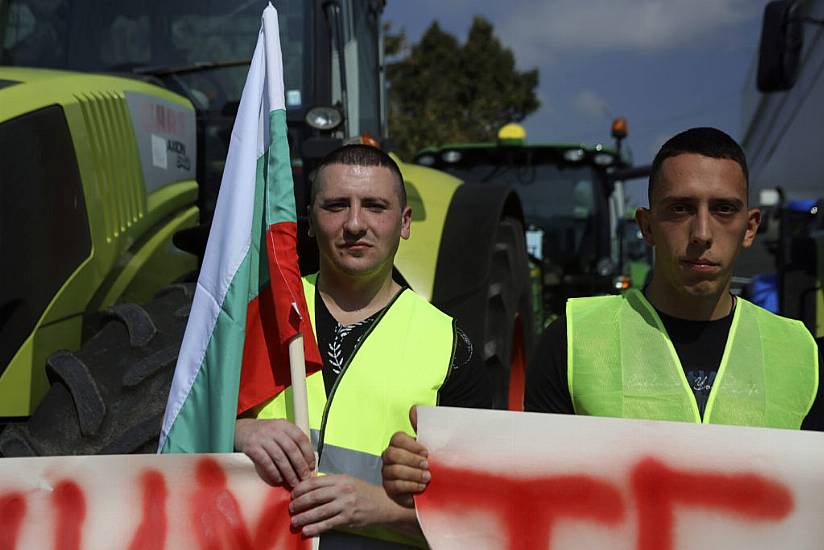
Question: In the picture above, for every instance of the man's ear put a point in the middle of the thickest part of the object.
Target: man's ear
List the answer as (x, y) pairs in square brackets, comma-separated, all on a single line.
[(753, 221), (642, 218), (406, 222), (310, 231)]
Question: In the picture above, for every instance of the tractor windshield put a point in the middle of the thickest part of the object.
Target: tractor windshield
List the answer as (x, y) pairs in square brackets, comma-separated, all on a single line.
[(548, 191), (564, 200), (201, 45)]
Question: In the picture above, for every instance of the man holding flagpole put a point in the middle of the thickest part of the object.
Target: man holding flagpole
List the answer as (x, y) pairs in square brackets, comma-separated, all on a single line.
[(384, 347)]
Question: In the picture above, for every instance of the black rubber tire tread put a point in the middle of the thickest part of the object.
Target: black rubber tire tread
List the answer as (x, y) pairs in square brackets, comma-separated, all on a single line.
[(15, 442), (494, 295), (146, 431), (68, 369), (187, 289), (132, 373), (138, 322), (150, 365), (509, 294)]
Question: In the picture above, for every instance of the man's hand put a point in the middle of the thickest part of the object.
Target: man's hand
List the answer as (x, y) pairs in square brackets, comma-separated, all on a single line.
[(404, 466), (328, 502), (404, 470), (281, 452)]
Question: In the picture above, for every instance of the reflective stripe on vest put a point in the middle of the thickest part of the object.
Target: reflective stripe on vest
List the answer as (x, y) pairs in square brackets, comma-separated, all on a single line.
[(621, 363), (401, 361)]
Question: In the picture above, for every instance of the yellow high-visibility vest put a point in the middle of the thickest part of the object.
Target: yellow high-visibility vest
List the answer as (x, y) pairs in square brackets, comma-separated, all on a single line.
[(621, 363), (402, 360)]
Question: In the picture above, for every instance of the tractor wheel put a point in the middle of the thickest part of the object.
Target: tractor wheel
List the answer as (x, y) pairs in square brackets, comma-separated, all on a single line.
[(508, 323), (109, 397), (495, 306)]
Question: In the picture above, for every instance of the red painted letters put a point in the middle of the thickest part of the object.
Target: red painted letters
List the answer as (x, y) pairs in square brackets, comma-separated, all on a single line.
[(151, 534), (12, 511), (216, 517), (659, 488), (218, 523), (71, 511), (215, 512), (528, 508)]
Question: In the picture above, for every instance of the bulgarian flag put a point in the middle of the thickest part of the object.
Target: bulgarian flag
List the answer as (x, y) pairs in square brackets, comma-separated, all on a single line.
[(249, 302)]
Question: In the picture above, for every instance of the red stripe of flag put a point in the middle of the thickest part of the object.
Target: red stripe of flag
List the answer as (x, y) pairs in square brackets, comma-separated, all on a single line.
[(272, 320)]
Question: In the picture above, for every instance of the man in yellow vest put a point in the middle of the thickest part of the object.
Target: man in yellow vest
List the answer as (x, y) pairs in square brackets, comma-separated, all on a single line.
[(685, 348), (384, 349)]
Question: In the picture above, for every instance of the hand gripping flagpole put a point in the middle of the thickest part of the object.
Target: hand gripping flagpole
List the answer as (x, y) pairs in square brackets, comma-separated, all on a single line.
[(275, 95)]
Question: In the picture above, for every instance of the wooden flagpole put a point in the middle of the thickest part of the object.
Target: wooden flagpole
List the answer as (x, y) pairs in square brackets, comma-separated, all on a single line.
[(297, 368), (275, 92)]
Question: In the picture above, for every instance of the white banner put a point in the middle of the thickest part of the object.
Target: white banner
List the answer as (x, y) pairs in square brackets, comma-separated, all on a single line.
[(141, 502), (519, 480)]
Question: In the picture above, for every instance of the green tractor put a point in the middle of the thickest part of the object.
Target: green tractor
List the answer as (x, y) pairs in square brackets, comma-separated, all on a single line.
[(90, 206), (573, 198), (115, 123)]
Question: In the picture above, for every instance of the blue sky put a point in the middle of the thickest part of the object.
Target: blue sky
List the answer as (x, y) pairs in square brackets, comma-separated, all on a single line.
[(666, 65)]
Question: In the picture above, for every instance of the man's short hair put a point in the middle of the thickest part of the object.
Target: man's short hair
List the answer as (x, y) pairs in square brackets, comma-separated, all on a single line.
[(358, 155), (709, 142)]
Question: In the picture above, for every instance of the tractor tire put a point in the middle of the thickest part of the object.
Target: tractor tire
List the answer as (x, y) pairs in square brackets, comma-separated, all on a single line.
[(109, 397), (509, 326), (483, 282)]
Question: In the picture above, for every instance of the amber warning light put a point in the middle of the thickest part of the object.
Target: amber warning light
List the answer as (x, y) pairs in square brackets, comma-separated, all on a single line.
[(619, 128)]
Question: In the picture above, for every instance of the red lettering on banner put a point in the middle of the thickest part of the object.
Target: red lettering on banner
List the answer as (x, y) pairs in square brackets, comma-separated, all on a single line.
[(659, 489), (12, 511), (528, 508), (151, 534), (216, 514), (218, 522), (70, 503), (275, 523)]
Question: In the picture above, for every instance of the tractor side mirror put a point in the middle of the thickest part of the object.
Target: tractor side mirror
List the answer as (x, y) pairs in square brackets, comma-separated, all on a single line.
[(782, 37)]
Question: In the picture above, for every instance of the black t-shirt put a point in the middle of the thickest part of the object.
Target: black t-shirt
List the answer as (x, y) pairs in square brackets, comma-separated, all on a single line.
[(699, 345), (465, 385)]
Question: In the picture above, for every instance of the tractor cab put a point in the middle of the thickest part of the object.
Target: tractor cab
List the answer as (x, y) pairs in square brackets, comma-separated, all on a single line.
[(201, 50), (572, 207)]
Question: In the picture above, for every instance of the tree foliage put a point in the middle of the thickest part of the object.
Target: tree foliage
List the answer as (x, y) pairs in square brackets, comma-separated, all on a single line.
[(442, 91)]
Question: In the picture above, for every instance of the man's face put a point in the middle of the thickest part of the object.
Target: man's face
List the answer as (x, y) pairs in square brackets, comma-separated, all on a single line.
[(358, 220), (698, 222)]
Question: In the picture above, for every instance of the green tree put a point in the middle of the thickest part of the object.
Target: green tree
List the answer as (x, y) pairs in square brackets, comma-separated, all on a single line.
[(442, 91)]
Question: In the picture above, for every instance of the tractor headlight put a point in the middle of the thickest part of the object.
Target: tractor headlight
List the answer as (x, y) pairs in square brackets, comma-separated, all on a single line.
[(426, 160), (451, 156), (324, 118), (573, 155)]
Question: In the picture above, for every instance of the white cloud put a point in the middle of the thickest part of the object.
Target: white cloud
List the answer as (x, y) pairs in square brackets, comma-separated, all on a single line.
[(590, 104), (538, 30)]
